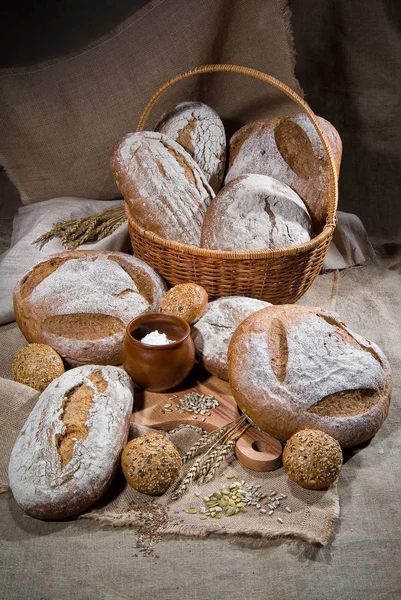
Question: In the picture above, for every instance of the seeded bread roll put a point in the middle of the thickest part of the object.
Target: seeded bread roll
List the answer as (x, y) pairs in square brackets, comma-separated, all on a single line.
[(165, 190), (37, 365), (255, 212), (293, 367), (200, 131), (214, 330), (288, 149), (151, 463), (312, 459), (69, 448), (80, 302), (186, 300)]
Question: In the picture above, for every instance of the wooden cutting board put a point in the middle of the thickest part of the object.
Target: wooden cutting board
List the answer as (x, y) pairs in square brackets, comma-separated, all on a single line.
[(255, 449)]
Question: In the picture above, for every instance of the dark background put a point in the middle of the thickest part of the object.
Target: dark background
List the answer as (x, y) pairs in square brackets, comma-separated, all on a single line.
[(348, 63)]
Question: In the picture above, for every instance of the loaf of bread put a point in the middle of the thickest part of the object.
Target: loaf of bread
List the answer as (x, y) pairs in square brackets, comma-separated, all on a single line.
[(165, 190), (80, 302), (214, 330), (290, 150), (293, 367), (200, 131), (69, 448), (255, 212)]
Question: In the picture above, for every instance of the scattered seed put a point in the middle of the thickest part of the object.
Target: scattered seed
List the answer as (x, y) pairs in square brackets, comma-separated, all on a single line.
[(287, 508), (263, 511), (280, 520), (191, 510), (168, 405), (270, 512)]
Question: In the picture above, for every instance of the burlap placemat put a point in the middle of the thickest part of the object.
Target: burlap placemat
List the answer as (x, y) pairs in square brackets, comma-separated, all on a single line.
[(312, 512)]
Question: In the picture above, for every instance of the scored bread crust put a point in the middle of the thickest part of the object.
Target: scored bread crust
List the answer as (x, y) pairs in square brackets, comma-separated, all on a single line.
[(80, 302), (255, 212), (290, 150), (293, 367), (200, 131), (165, 190), (69, 449), (213, 332)]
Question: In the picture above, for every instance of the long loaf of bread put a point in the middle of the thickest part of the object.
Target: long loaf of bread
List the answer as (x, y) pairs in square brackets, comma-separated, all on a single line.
[(69, 448)]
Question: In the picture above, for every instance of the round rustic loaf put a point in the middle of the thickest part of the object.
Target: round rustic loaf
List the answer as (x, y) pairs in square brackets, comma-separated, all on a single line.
[(37, 365), (165, 190), (200, 131), (80, 302), (290, 150), (214, 330), (151, 463), (186, 300), (293, 367), (255, 212), (69, 448)]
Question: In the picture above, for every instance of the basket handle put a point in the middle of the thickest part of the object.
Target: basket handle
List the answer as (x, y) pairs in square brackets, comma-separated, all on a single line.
[(333, 187)]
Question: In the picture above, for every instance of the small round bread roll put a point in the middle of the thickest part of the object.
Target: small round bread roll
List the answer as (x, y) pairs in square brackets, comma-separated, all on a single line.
[(312, 459), (151, 463), (37, 365), (186, 300)]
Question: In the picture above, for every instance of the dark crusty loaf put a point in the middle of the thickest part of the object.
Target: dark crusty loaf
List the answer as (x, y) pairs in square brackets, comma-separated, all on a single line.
[(80, 302), (214, 330), (69, 448), (290, 150), (165, 190), (200, 131), (293, 367), (255, 212)]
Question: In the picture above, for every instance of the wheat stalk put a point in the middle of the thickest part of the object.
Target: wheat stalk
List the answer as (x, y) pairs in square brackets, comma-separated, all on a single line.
[(205, 439), (209, 462), (94, 227)]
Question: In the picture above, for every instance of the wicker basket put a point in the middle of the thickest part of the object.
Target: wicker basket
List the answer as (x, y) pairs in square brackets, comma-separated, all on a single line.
[(278, 276)]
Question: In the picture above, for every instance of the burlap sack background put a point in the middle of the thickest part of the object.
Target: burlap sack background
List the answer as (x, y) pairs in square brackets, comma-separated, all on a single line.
[(60, 119)]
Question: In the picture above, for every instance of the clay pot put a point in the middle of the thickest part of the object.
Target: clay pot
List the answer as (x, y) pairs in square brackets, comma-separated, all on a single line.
[(158, 368)]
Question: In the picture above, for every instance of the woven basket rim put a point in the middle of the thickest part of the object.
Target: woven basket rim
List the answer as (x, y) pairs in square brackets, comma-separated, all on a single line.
[(225, 254)]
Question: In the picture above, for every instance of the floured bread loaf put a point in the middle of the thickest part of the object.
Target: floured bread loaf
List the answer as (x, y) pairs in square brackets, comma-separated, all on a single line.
[(290, 150), (294, 367), (165, 190), (255, 212), (80, 302), (69, 448), (213, 332), (200, 131)]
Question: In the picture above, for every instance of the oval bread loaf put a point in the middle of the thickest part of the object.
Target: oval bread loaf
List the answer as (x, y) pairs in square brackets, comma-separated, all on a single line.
[(214, 330), (69, 448), (200, 131), (290, 150), (294, 367), (255, 212), (80, 302), (165, 190)]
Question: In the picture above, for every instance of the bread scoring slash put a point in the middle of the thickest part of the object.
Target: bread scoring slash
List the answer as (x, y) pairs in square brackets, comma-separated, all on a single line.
[(68, 451)]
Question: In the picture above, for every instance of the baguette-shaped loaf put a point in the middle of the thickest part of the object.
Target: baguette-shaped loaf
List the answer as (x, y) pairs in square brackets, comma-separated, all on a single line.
[(293, 367), (200, 131), (80, 302), (68, 451), (255, 212), (165, 190)]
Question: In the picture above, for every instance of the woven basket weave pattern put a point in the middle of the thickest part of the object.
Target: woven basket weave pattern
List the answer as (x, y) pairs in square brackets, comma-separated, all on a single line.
[(277, 276)]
